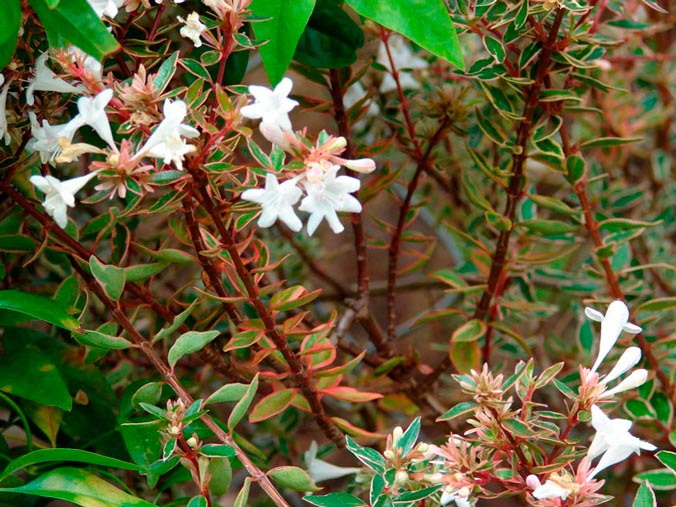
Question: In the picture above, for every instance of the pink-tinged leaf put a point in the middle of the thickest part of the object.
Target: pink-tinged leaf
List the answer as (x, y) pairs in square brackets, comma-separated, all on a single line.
[(293, 297), (355, 431), (243, 340), (351, 394), (272, 405), (344, 368)]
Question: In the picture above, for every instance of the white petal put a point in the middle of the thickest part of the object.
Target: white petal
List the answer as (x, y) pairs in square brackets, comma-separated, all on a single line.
[(313, 222), (253, 111), (256, 195), (612, 456), (267, 218), (594, 315), (284, 87), (334, 222), (631, 328), (60, 216), (74, 185), (627, 361), (634, 380), (550, 490), (41, 183)]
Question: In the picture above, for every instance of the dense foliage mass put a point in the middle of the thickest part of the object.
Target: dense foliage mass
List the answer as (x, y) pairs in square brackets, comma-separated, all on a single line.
[(363, 253)]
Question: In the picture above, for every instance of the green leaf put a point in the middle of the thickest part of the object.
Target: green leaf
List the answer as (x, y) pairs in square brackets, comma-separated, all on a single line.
[(197, 501), (101, 340), (165, 73), (10, 22), (76, 22), (409, 438), (425, 22), (370, 457), (285, 24), (470, 331), (228, 393), (189, 342), (661, 479), (40, 307), (243, 494), (331, 38), (272, 404), (50, 455), (553, 204), (79, 487), (645, 496), (141, 272), (292, 297), (177, 322), (459, 409), (110, 278), (667, 458), (548, 226), (334, 500), (142, 441), (657, 305), (217, 451), (606, 142), (30, 374), (293, 478), (48, 419), (242, 405)]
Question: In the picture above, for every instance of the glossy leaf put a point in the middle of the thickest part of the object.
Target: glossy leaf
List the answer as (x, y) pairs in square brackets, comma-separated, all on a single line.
[(645, 496), (10, 22), (425, 22), (30, 374), (79, 487), (76, 22), (39, 307), (62, 454), (284, 23)]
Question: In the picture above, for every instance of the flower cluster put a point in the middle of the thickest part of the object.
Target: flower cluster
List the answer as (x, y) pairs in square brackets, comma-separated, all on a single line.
[(326, 193), (612, 441), (54, 143)]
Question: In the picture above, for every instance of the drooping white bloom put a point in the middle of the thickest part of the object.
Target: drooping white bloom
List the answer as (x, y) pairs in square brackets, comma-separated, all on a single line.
[(59, 195), (4, 132), (92, 112), (167, 142), (613, 440), (403, 58), (627, 361), (45, 138), (271, 106), (320, 470), (106, 7), (45, 80), (613, 323), (277, 201), (193, 28), (328, 196)]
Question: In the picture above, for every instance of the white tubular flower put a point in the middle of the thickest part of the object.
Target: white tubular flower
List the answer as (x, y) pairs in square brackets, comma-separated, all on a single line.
[(627, 361), (167, 142), (93, 113), (328, 196), (277, 201), (273, 133), (320, 470), (106, 7), (46, 138), (613, 323), (613, 440), (193, 28), (403, 58), (271, 106), (45, 80), (59, 195), (4, 132)]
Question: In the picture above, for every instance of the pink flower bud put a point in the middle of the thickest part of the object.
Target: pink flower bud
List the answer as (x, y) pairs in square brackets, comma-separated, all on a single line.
[(361, 165)]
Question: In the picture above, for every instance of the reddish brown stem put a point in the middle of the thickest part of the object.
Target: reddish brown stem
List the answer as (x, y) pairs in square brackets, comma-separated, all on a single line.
[(513, 191)]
